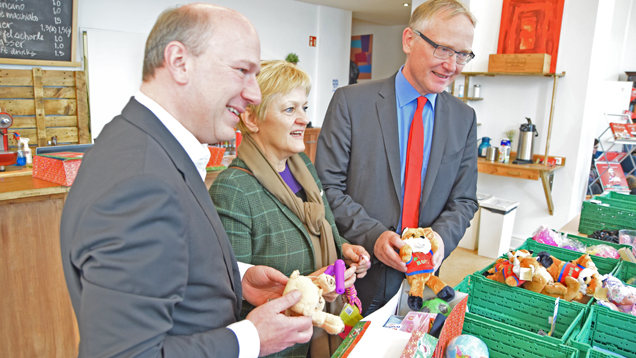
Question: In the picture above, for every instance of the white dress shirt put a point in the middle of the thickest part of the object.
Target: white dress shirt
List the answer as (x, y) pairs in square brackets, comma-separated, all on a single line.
[(245, 331)]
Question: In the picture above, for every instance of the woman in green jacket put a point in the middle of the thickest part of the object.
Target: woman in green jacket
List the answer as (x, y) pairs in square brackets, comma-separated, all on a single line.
[(270, 199)]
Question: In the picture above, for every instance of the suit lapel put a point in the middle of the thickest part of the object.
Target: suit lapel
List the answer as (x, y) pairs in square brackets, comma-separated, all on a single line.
[(387, 115), (440, 133), (148, 122)]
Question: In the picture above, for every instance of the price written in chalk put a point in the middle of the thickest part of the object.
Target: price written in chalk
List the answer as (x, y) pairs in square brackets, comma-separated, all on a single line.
[(37, 29)]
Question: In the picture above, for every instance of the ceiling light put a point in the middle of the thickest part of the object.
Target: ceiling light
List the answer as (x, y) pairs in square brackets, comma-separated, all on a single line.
[(406, 4)]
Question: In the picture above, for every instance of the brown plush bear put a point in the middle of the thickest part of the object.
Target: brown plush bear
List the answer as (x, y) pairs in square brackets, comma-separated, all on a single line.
[(421, 245), (520, 269), (312, 303), (572, 279)]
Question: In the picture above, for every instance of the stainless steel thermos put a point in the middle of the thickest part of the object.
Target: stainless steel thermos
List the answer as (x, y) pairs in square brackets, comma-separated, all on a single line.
[(525, 148)]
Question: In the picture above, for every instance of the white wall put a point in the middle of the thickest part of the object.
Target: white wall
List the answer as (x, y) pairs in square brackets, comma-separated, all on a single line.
[(117, 28), (284, 26), (629, 53), (388, 55), (334, 48)]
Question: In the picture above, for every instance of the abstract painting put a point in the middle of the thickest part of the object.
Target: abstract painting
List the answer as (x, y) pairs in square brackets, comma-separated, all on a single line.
[(531, 26), (361, 50)]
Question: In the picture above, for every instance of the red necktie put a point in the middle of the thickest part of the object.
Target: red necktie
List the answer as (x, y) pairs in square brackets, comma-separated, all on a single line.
[(413, 172)]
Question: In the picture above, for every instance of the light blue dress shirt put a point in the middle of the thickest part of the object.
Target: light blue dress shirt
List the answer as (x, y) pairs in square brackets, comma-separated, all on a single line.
[(406, 98)]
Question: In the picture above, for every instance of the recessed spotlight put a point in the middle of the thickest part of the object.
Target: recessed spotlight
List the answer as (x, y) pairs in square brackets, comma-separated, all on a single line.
[(406, 4)]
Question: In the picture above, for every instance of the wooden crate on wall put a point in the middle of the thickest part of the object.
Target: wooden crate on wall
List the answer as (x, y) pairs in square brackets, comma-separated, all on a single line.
[(46, 103)]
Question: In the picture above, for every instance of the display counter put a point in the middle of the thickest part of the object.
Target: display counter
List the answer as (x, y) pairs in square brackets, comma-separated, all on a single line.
[(37, 318)]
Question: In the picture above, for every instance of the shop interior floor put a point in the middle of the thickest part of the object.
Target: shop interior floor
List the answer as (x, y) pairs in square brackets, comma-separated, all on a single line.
[(460, 263)]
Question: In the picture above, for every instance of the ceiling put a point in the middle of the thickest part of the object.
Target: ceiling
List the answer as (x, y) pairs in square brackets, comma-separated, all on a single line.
[(383, 12)]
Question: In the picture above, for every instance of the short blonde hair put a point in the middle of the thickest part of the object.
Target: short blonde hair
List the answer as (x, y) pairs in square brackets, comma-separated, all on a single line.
[(276, 78), (424, 14)]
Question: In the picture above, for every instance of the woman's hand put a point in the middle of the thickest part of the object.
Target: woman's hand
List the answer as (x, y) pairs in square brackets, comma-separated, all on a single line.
[(356, 256), (350, 278)]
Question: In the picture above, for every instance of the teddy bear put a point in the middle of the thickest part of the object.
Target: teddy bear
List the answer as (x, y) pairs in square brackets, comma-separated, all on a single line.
[(420, 246), (520, 269), (572, 280), (312, 303)]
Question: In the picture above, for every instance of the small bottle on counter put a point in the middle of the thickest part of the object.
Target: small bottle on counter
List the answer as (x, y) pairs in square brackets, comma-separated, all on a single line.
[(460, 93)]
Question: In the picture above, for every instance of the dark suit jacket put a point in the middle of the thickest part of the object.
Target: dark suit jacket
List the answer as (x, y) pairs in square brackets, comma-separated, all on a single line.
[(358, 162), (148, 265)]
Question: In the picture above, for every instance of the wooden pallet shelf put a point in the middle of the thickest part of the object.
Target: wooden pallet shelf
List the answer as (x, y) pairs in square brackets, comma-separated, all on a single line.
[(46, 104)]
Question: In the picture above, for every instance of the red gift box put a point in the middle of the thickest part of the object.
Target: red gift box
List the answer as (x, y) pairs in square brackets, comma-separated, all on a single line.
[(60, 168), (216, 156)]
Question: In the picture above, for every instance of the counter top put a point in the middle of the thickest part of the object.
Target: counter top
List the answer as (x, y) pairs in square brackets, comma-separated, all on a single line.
[(24, 186)]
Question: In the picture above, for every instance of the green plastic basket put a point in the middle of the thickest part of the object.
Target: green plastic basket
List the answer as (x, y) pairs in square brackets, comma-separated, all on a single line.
[(593, 353), (521, 308), (604, 265), (618, 200), (506, 341), (596, 217), (588, 241), (621, 196), (609, 330), (625, 271)]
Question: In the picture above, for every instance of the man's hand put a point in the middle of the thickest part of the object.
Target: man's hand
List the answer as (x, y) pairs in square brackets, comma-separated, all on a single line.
[(277, 331), (385, 250), (357, 256), (261, 283), (438, 257)]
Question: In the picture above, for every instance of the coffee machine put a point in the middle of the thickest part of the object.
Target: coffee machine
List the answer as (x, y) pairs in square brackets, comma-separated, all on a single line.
[(525, 148), (6, 157)]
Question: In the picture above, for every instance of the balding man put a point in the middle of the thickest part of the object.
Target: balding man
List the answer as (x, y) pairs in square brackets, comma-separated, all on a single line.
[(148, 265)]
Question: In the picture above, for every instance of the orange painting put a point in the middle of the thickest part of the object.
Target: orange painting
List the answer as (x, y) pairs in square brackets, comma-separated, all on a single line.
[(531, 26)]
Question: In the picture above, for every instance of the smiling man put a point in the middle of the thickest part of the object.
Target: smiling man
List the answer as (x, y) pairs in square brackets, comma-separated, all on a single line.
[(149, 268), (401, 152)]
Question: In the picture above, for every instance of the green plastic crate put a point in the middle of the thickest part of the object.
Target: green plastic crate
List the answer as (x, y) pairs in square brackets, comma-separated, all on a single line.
[(596, 217), (509, 342), (588, 241), (621, 196), (609, 330), (616, 202), (521, 308), (604, 265), (625, 271), (626, 198), (593, 353)]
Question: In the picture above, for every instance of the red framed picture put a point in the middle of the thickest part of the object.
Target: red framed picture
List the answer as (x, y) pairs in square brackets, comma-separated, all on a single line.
[(531, 26)]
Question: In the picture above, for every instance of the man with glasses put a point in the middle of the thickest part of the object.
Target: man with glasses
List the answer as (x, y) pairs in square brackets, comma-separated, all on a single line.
[(401, 152)]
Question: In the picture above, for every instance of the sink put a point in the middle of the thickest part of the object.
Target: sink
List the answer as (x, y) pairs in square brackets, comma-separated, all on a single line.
[(7, 158)]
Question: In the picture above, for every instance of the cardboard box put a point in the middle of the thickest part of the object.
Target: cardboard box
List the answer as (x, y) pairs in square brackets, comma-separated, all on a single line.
[(60, 167), (520, 63)]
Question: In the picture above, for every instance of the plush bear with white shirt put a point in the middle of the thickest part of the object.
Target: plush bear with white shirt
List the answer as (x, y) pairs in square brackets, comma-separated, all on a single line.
[(421, 245)]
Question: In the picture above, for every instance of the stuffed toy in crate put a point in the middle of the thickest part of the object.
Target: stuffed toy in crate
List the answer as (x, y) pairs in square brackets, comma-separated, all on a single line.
[(312, 303), (520, 269), (572, 280), (421, 245)]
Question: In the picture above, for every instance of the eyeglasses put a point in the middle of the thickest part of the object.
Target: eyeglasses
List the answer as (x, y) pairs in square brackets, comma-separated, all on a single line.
[(444, 53)]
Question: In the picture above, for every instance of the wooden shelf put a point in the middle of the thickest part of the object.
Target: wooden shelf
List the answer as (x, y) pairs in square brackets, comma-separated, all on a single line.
[(524, 171), (545, 172)]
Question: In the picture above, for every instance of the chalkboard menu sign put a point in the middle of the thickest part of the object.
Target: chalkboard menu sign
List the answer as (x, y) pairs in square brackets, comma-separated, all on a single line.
[(38, 32)]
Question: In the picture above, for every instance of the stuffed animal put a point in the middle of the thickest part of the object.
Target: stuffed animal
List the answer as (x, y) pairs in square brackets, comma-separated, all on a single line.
[(621, 297), (421, 245), (573, 279), (312, 303), (521, 269)]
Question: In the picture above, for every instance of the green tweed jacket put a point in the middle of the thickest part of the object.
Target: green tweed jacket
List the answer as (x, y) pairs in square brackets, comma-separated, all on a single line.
[(263, 231)]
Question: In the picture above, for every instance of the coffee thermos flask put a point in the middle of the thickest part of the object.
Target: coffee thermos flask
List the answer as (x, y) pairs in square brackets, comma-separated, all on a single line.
[(525, 148)]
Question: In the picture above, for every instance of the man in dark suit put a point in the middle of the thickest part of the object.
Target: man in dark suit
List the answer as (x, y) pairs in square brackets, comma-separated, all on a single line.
[(362, 149), (148, 265)]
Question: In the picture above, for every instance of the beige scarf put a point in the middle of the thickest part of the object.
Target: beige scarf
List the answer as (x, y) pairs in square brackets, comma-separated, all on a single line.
[(311, 213)]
